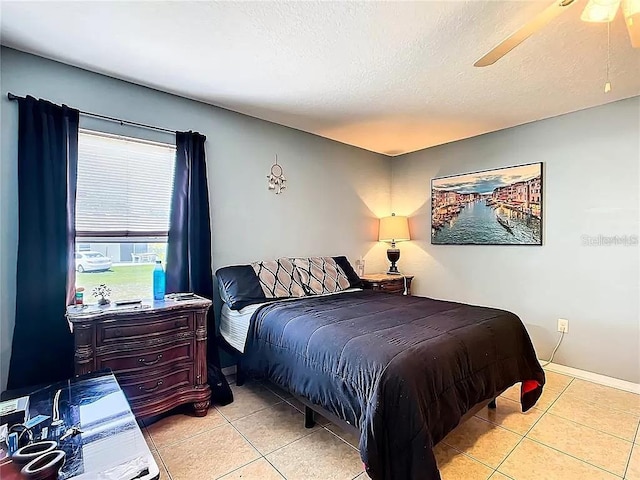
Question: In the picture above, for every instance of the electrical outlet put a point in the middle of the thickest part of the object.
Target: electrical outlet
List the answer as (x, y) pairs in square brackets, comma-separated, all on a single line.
[(563, 325)]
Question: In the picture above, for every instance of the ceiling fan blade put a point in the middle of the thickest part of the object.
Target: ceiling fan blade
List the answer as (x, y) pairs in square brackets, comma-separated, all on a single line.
[(515, 39), (631, 10)]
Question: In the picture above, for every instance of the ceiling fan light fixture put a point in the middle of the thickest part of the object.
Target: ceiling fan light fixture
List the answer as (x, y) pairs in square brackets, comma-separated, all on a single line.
[(600, 11)]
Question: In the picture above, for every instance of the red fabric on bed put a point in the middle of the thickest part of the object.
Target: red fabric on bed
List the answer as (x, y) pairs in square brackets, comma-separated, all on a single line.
[(529, 393)]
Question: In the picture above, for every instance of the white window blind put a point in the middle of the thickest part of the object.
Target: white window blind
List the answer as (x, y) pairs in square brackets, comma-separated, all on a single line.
[(124, 186)]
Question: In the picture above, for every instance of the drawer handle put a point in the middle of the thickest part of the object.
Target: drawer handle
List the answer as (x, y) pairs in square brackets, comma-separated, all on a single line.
[(152, 389), (152, 362)]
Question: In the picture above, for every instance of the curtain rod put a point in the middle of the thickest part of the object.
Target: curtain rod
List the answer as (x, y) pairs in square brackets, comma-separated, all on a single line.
[(11, 96)]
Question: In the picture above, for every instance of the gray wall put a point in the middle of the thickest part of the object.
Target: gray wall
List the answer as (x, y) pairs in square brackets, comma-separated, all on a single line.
[(591, 187), (334, 193)]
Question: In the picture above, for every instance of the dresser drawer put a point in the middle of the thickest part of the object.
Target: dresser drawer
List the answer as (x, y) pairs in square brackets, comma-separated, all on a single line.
[(148, 358), (396, 286), (143, 328), (157, 383), (388, 283)]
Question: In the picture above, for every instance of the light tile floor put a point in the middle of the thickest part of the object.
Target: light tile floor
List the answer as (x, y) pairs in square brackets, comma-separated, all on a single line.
[(578, 430)]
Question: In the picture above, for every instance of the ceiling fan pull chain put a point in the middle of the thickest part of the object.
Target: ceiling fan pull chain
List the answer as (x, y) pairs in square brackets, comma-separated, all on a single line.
[(607, 85)]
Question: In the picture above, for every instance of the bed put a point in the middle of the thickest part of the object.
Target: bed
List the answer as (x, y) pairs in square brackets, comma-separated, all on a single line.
[(401, 370)]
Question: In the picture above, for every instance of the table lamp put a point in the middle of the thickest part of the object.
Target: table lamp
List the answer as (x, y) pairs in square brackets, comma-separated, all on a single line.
[(393, 229)]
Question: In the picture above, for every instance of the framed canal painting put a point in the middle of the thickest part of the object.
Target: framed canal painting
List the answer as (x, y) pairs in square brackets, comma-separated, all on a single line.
[(493, 207)]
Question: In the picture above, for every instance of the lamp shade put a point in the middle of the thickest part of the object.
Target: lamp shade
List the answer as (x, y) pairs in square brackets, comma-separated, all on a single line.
[(394, 229)]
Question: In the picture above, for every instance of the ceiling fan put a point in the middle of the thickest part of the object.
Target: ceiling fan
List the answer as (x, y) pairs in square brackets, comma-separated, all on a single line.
[(596, 11)]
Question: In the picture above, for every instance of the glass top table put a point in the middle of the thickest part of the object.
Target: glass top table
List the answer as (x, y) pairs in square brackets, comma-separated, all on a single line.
[(110, 444)]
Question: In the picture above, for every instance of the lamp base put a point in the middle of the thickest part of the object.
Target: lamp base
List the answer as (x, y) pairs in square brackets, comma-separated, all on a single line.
[(393, 254)]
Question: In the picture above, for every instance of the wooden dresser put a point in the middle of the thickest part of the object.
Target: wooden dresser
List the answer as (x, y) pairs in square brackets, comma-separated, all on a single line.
[(388, 283), (157, 351)]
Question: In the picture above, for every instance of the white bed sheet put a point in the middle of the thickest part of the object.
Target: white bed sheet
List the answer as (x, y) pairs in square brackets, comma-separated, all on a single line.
[(234, 324)]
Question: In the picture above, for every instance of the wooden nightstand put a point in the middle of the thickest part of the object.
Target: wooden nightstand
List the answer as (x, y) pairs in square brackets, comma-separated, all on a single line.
[(387, 283)]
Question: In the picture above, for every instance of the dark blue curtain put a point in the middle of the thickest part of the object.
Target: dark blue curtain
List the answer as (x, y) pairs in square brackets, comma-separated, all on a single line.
[(42, 348), (188, 266)]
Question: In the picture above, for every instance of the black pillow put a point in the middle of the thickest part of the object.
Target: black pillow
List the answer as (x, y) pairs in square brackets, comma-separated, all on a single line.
[(354, 279), (239, 286)]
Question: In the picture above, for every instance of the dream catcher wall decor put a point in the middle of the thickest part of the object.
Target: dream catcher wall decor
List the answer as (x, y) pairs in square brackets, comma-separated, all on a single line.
[(277, 180)]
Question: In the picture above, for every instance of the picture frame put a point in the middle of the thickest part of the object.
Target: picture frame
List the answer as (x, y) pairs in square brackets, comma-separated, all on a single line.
[(500, 206)]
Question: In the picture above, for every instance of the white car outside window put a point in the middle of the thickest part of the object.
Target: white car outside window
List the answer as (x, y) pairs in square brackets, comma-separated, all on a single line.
[(92, 262)]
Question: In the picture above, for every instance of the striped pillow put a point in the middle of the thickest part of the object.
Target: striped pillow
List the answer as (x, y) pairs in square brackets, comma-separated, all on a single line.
[(278, 278), (321, 275)]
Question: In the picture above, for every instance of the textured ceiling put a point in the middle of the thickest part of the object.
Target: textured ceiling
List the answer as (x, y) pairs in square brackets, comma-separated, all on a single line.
[(390, 77)]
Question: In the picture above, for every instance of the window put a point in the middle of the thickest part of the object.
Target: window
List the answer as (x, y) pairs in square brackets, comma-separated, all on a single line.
[(123, 202)]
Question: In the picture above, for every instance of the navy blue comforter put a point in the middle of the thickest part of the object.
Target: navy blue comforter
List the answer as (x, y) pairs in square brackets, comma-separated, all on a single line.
[(404, 370)]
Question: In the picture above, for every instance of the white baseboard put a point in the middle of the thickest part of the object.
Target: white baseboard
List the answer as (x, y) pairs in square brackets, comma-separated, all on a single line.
[(595, 378)]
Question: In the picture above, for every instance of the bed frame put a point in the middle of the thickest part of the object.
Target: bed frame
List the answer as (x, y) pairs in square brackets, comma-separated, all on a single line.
[(310, 409)]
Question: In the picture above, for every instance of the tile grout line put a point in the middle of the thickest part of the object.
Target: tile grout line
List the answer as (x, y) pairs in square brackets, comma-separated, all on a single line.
[(166, 469), (599, 385), (626, 468), (580, 424), (274, 467), (534, 424), (595, 404), (633, 446), (249, 414), (598, 404), (469, 456), (590, 427), (486, 420), (252, 446), (522, 436), (188, 437), (283, 400), (154, 447), (291, 397), (238, 468), (340, 438), (283, 446), (574, 457), (311, 432), (293, 441), (261, 456), (273, 451), (556, 449)]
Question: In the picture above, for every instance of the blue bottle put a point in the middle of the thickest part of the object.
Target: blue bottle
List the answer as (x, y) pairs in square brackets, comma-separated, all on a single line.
[(158, 281)]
